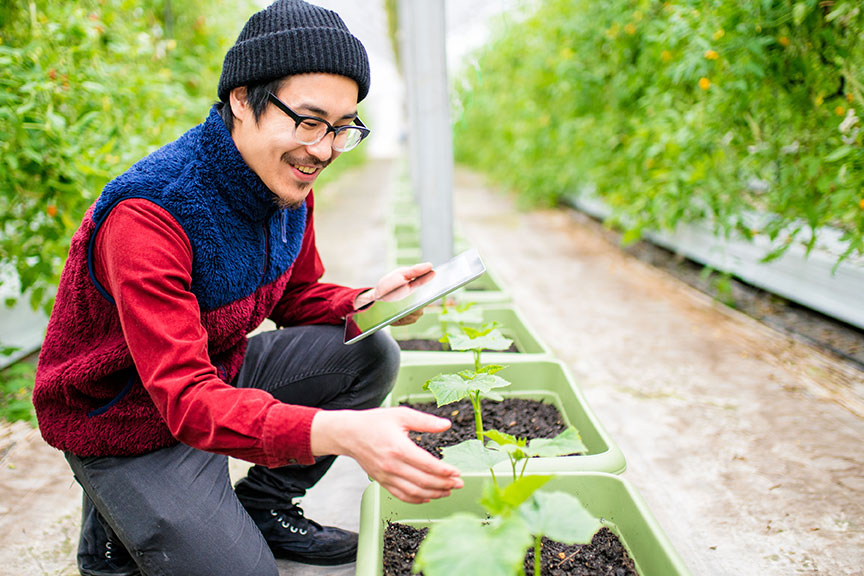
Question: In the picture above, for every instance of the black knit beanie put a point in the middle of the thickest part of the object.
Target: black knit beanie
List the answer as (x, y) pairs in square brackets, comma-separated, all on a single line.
[(293, 37)]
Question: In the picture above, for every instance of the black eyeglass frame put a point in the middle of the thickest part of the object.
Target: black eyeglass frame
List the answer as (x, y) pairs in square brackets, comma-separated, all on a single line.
[(300, 118)]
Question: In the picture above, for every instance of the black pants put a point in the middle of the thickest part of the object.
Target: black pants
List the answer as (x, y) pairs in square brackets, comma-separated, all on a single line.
[(175, 510)]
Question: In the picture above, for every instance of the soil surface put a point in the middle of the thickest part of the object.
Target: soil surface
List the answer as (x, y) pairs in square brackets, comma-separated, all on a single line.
[(519, 417), (604, 556)]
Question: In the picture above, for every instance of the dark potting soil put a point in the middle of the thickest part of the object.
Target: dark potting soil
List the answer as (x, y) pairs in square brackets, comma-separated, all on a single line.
[(424, 345), (604, 556), (401, 543), (521, 417)]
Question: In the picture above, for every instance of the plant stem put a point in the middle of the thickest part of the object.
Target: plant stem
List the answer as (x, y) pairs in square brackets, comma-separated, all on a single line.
[(476, 360), (537, 541), (478, 416), (522, 473)]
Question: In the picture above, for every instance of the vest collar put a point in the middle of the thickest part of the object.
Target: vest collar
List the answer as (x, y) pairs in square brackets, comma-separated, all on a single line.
[(232, 178)]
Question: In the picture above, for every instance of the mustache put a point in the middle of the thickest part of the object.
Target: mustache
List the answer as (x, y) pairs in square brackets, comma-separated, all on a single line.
[(305, 161)]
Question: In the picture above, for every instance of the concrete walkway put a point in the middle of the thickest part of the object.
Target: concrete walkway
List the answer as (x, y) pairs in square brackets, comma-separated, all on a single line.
[(729, 429)]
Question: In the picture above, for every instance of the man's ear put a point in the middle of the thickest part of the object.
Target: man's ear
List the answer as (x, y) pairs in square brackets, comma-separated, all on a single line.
[(239, 103)]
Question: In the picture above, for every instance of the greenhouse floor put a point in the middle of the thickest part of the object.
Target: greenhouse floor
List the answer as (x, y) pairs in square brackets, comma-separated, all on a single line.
[(731, 430)]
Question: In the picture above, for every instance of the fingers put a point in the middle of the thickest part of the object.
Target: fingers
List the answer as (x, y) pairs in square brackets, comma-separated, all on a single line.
[(411, 272), (378, 439), (421, 477), (410, 318), (418, 421)]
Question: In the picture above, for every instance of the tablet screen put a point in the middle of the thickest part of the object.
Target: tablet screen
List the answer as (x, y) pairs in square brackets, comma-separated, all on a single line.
[(416, 294)]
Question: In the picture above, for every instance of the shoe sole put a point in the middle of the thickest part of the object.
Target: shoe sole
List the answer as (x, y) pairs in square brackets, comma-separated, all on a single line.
[(345, 558)]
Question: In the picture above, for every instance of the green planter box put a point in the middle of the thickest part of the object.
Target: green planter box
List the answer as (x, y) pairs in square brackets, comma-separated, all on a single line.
[(606, 496), (547, 380), (406, 232), (487, 289), (512, 323)]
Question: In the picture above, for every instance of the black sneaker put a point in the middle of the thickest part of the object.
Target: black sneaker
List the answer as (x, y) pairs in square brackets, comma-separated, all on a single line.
[(114, 561), (292, 536)]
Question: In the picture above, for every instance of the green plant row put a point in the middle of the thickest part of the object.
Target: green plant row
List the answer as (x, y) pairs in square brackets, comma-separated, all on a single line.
[(678, 111), (86, 89)]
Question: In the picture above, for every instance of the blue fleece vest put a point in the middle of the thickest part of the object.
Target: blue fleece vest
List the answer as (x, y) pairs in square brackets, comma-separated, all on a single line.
[(240, 239)]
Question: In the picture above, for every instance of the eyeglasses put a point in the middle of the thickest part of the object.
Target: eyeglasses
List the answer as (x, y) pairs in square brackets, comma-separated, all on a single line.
[(309, 130)]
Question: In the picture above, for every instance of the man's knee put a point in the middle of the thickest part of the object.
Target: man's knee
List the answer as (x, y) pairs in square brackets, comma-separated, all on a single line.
[(382, 355)]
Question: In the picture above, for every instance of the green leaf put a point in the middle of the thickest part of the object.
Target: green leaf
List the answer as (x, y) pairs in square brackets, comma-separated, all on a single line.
[(503, 439), (506, 443), (493, 340), (502, 501), (839, 154), (567, 442), (559, 516), (463, 544), (462, 314), (799, 12), (449, 388), (491, 368), (471, 456), (486, 383)]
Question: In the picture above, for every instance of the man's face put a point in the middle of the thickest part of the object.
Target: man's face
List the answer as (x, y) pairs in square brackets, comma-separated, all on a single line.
[(287, 167)]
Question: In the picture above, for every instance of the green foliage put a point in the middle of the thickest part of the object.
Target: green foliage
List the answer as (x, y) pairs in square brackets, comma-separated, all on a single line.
[(86, 89), (449, 388), (567, 442), (559, 516), (488, 337), (498, 501), (16, 388), (391, 8), (453, 317), (473, 456), (518, 514), (679, 111), (473, 384), (461, 544)]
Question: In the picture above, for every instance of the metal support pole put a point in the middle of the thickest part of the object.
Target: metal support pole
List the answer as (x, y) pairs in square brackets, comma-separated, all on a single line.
[(430, 138)]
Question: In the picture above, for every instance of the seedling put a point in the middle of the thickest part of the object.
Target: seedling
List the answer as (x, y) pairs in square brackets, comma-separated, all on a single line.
[(464, 544), (487, 337), (453, 318), (555, 515), (472, 384), (473, 456)]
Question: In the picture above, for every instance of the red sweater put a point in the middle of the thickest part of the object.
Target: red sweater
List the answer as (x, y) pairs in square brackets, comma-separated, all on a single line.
[(143, 259), (178, 260)]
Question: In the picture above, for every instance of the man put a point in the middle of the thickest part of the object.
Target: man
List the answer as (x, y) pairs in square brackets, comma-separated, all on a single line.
[(146, 379)]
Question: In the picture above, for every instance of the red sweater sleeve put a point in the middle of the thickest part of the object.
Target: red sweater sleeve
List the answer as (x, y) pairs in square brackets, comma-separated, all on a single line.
[(143, 259), (306, 300)]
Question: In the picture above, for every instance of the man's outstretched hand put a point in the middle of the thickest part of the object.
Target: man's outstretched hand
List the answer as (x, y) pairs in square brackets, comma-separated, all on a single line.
[(378, 440)]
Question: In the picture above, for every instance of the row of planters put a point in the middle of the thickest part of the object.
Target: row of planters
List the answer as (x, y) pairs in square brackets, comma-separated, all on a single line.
[(542, 493)]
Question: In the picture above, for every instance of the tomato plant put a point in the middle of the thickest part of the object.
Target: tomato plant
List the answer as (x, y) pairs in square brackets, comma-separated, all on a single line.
[(88, 88), (678, 111)]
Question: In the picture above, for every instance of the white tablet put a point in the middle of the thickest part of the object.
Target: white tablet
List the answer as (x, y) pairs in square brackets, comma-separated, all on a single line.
[(441, 280)]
